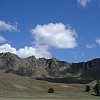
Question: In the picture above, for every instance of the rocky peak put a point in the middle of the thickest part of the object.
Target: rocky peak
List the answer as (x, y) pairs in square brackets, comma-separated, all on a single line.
[(31, 57), (54, 59), (8, 55)]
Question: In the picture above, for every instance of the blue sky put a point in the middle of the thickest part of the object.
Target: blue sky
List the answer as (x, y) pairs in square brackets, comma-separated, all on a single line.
[(66, 29)]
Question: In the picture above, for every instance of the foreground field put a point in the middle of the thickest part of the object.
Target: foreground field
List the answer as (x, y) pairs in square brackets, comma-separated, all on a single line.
[(43, 99), (13, 87)]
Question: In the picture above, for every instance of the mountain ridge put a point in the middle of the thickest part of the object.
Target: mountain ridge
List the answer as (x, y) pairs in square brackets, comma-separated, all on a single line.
[(52, 70)]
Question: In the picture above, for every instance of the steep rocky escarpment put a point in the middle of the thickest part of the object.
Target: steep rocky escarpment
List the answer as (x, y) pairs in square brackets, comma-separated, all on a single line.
[(50, 69)]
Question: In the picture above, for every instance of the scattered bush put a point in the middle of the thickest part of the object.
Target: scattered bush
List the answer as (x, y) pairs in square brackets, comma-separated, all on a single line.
[(51, 90), (87, 89)]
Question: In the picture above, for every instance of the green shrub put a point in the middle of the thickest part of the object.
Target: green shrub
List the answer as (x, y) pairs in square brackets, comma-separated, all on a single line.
[(51, 90), (87, 89)]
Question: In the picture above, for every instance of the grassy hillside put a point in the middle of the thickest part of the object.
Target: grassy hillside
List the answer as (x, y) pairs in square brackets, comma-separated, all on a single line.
[(14, 86)]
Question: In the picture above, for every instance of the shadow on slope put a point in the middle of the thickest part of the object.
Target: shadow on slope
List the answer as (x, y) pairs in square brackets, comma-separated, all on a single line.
[(68, 80)]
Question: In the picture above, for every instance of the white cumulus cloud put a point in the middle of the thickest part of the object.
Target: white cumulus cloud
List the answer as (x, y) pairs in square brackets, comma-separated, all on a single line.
[(7, 48), (7, 26), (46, 37), (83, 3), (98, 41), (55, 35), (38, 51), (2, 39)]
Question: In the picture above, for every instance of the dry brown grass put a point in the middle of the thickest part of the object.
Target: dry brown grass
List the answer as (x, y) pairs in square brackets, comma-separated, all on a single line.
[(14, 87)]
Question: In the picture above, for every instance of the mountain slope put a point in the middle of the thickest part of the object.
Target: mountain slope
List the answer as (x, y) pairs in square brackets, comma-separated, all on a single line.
[(15, 87), (51, 70)]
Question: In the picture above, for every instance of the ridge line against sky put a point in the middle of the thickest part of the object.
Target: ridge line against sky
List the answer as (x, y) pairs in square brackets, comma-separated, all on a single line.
[(64, 39)]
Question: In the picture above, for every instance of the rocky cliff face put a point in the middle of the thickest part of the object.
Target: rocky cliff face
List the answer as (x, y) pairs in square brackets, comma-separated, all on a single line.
[(50, 69)]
